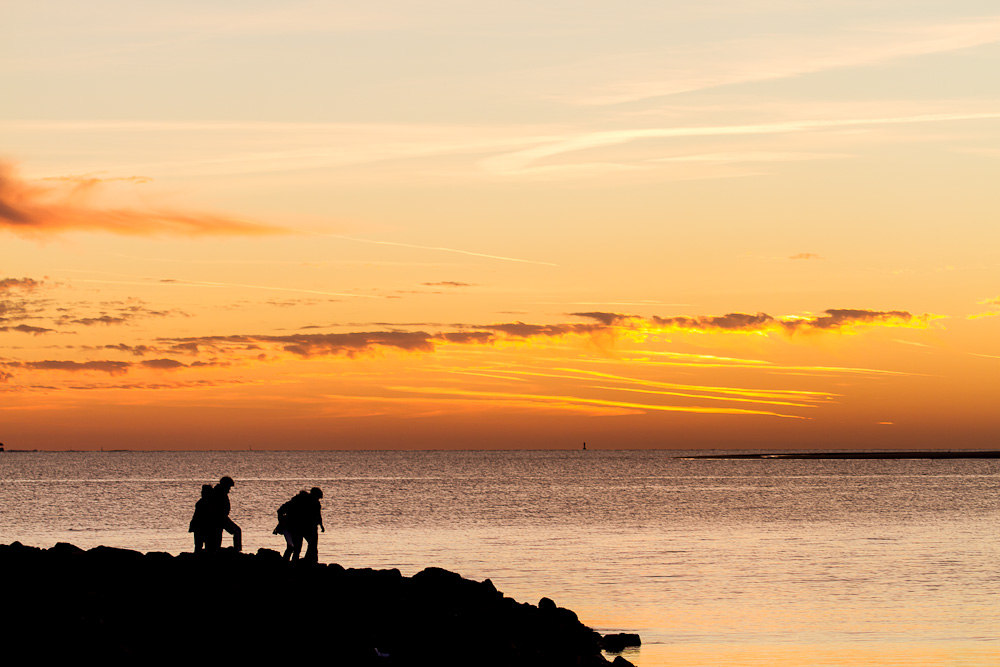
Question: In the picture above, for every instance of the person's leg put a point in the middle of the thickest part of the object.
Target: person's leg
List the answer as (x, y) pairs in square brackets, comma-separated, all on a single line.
[(312, 551), (213, 539), (236, 532)]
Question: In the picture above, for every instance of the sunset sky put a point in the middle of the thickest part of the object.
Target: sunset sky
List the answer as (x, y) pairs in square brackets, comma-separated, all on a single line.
[(441, 224)]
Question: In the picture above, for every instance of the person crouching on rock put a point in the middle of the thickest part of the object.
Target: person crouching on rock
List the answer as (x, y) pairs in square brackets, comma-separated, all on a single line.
[(297, 520), (291, 517)]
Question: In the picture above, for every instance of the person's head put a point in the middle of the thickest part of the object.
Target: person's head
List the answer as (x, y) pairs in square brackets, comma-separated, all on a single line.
[(206, 490), (226, 483), (316, 492)]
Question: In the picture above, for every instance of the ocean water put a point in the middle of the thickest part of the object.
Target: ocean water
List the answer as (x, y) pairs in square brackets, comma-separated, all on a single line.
[(713, 562)]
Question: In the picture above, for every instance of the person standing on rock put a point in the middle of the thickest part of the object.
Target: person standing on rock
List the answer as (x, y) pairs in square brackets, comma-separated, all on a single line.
[(202, 522), (221, 520), (313, 516)]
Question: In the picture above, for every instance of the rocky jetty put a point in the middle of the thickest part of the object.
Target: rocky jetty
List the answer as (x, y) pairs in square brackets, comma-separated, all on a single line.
[(117, 605)]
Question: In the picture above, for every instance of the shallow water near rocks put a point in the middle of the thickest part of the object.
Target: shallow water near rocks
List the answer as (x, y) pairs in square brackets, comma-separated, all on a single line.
[(713, 562)]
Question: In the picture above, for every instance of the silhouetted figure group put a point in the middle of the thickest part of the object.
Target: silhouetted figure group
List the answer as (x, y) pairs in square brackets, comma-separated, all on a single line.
[(298, 520), (211, 518)]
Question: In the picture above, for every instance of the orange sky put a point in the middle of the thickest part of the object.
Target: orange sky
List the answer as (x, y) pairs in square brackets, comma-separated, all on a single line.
[(740, 225)]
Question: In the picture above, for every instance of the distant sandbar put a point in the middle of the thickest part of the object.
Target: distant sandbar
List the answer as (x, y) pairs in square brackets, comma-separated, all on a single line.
[(983, 454)]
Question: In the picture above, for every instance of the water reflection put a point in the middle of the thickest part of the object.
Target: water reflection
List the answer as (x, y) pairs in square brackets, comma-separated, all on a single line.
[(713, 562)]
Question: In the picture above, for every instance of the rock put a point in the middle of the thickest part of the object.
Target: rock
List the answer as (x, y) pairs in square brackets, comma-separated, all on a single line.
[(621, 662), (113, 555), (269, 556), (159, 556), (63, 548), (619, 642), (121, 604)]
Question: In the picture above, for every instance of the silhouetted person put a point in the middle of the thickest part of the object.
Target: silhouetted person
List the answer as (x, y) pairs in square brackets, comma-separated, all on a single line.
[(202, 521), (220, 516), (291, 524), (313, 518)]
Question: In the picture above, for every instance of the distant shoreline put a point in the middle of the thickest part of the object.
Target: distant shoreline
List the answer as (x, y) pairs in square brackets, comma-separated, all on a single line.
[(732, 454), (860, 454)]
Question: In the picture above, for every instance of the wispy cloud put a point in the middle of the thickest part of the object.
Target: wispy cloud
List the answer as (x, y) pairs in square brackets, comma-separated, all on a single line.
[(522, 160), (297, 146), (25, 328), (316, 345), (430, 405), (19, 301), (172, 282), (25, 284), (439, 249), (758, 156), (522, 330), (753, 60), (648, 358), (785, 397), (577, 400), (35, 209), (102, 366), (910, 342), (112, 313)]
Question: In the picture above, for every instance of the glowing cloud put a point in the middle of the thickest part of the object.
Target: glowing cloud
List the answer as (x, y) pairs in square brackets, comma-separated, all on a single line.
[(32, 209), (834, 319)]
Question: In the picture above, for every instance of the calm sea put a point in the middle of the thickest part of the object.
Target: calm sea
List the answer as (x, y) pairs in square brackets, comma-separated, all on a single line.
[(713, 562)]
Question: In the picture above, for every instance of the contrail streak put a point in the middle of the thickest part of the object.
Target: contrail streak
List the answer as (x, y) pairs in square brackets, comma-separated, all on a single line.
[(439, 248), (518, 160)]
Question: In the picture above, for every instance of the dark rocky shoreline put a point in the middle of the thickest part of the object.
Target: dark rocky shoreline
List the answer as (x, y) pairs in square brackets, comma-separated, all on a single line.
[(120, 605)]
